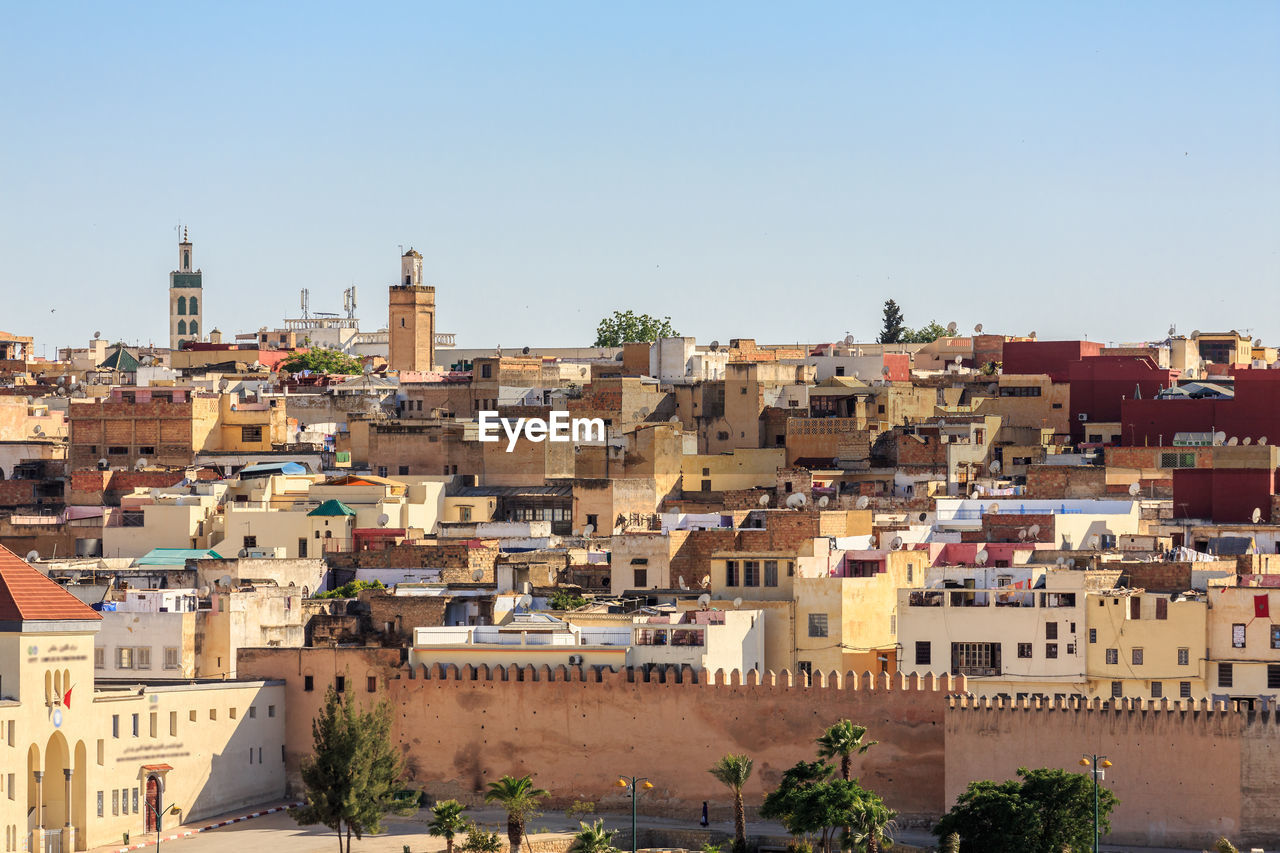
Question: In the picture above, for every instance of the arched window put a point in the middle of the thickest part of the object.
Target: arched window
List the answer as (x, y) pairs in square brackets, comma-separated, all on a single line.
[(193, 307), (186, 259), (182, 327), (193, 328), (182, 305)]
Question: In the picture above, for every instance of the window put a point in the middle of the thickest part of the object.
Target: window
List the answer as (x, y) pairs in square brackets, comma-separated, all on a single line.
[(1071, 648), (182, 305), (250, 542), (115, 725), (99, 658), (817, 624), (1051, 650), (805, 668), (193, 307), (372, 684), (100, 798), (1117, 690), (231, 712), (173, 724), (731, 573), (135, 800), (593, 520), (251, 433), (1157, 689), (153, 724), (975, 658), (751, 574), (1184, 689), (486, 371), (191, 715), (1113, 656), (124, 658), (1184, 657), (924, 653), (340, 684), (135, 725), (182, 327), (1020, 391), (1162, 608), (1051, 630), (791, 569), (1275, 636), (770, 572), (213, 713), (1137, 657), (1024, 650), (1177, 460), (253, 712), (194, 327), (1273, 676), (640, 578), (308, 683), (1135, 607), (142, 657), (271, 710), (115, 802), (117, 450), (171, 659), (404, 469), (1093, 635), (1237, 636), (1225, 675)]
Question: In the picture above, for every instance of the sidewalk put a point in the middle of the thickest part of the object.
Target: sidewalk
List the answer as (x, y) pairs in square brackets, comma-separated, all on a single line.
[(186, 830)]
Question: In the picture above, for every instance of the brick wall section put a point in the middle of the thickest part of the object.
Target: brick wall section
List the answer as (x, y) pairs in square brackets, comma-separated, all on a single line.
[(17, 492), (404, 613), (1005, 527), (1157, 577), (456, 560), (915, 450), (1059, 482)]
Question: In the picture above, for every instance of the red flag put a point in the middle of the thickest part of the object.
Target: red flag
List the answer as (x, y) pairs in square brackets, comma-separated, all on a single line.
[(66, 699), (1261, 606)]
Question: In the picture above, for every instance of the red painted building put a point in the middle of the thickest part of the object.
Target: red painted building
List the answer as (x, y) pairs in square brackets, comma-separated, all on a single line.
[(1053, 358), (1223, 495), (1101, 384), (1253, 413)]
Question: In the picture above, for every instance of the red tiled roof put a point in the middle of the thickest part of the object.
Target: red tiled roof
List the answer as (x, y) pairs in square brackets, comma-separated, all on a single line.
[(26, 594)]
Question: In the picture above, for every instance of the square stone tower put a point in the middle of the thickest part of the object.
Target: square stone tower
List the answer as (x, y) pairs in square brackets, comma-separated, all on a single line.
[(412, 322), (186, 298)]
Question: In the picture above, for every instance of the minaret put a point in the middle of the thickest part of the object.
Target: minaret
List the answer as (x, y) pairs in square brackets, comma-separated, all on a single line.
[(412, 322), (186, 298)]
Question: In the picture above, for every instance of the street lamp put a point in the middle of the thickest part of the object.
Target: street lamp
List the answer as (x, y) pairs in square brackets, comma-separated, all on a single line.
[(157, 817), (636, 784), (1096, 762)]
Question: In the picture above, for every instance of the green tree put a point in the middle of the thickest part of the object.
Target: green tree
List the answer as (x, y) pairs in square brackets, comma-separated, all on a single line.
[(349, 590), (448, 821), (1223, 845), (323, 361), (352, 775), (893, 330), (733, 771), (1046, 811), (520, 798), (480, 841), (925, 334), (593, 838), (843, 739), (628, 327), (564, 600), (808, 801), (870, 822)]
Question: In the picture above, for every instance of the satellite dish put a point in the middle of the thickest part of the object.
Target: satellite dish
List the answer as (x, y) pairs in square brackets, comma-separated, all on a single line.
[(994, 509), (706, 582), (737, 602), (981, 557), (588, 530), (1219, 437), (1022, 533), (978, 328), (140, 464), (994, 467), (1233, 441), (951, 328), (674, 419), (1195, 333), (959, 360), (715, 345), (704, 600), (103, 463), (477, 575), (97, 335), (1134, 488), (1032, 335), (1246, 440), (244, 552), (848, 340), (383, 519), (1062, 561), (1071, 562), (862, 502), (618, 357), (974, 495), (1262, 440), (525, 601), (524, 351), (33, 555), (924, 516), (801, 500), (39, 430), (1033, 531), (1257, 342), (682, 584), (884, 371), (1257, 515), (1173, 330), (896, 543), (823, 501), (764, 500)]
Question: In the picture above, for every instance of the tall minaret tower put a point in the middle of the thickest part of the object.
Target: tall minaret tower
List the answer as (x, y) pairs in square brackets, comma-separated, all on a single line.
[(412, 320), (186, 298)]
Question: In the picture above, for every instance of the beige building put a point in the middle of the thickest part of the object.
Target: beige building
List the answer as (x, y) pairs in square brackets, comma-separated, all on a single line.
[(83, 765), (1147, 645), (412, 318)]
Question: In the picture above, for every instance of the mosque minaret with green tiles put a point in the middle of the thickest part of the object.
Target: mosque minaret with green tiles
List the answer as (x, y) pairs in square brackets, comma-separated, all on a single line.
[(186, 298)]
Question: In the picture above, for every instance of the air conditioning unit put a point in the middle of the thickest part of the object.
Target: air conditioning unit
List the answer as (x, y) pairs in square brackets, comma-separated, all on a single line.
[(575, 660), (1082, 417)]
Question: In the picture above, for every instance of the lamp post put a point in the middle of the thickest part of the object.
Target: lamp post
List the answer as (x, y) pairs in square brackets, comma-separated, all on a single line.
[(157, 817), (636, 784), (1096, 762)]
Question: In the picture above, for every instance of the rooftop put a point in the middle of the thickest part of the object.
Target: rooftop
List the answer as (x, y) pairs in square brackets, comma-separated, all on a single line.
[(27, 595)]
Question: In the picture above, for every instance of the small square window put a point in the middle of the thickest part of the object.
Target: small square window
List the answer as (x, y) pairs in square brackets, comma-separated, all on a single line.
[(1024, 650), (1050, 650), (308, 683), (1117, 689), (1184, 657), (1184, 689), (817, 624), (1137, 657), (924, 653), (1157, 688), (1113, 656)]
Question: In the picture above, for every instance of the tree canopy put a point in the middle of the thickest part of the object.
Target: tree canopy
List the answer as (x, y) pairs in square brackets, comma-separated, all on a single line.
[(628, 327), (1046, 811), (448, 821), (892, 330), (733, 771), (843, 740), (520, 797), (352, 775), (808, 801), (320, 360)]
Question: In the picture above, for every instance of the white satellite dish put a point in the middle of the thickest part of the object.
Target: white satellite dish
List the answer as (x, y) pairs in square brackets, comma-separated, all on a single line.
[(33, 555), (383, 520), (525, 601), (1062, 561), (848, 339), (681, 583), (764, 500), (1033, 531), (981, 557), (1173, 330), (140, 464), (823, 501), (737, 602), (978, 328), (801, 500), (1233, 441), (1246, 440), (1257, 515), (994, 467), (1134, 488), (204, 592), (1071, 562), (704, 600), (225, 580), (791, 502), (862, 502), (477, 575), (994, 509), (896, 543), (1262, 440), (1022, 533), (951, 328), (103, 463), (959, 360), (588, 530), (706, 581)]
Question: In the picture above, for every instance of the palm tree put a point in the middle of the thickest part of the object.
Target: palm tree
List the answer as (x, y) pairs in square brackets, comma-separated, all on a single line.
[(733, 771), (844, 739), (520, 798), (593, 838), (872, 824), (447, 821)]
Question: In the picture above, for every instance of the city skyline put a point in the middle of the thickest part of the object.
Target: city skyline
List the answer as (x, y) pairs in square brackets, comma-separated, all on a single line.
[(974, 165)]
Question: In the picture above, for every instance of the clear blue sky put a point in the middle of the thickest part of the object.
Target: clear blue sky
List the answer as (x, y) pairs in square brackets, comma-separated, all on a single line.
[(753, 170)]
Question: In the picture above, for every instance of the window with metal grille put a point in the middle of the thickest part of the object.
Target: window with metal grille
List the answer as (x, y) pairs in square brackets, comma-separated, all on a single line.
[(975, 658), (731, 573), (817, 624), (924, 653), (1093, 635), (1184, 657), (1137, 657), (770, 572), (1051, 630), (1177, 460), (1162, 608), (1157, 689), (751, 573), (1184, 689), (1117, 689), (1050, 650), (251, 433), (1225, 675), (1273, 676), (1237, 635), (1113, 656), (1275, 636)]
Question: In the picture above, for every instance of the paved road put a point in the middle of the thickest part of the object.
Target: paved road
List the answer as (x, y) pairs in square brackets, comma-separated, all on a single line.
[(278, 833)]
